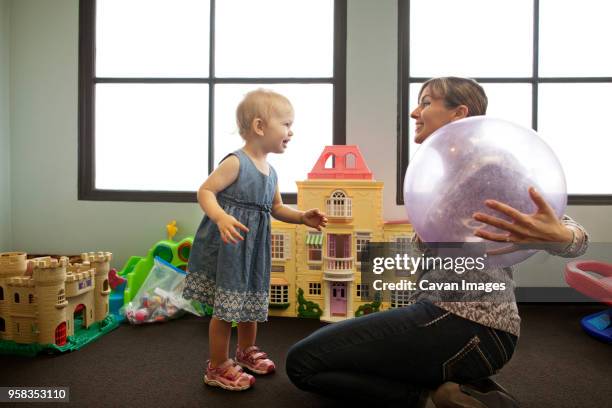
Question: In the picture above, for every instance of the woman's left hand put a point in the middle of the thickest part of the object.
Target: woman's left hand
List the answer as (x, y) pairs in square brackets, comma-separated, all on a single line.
[(314, 218), (541, 227)]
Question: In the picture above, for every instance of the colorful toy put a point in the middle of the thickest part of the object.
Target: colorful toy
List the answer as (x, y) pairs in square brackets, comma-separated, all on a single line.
[(316, 274), (593, 279), (468, 161), (49, 304)]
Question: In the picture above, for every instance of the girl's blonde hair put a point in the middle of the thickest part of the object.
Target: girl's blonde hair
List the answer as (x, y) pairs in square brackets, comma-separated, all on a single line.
[(457, 91), (260, 103)]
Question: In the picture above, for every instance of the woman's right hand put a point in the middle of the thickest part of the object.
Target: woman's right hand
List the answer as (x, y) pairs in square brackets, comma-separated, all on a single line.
[(227, 229)]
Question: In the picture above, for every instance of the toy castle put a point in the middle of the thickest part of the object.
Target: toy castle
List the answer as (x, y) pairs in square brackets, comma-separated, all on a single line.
[(316, 274), (50, 299)]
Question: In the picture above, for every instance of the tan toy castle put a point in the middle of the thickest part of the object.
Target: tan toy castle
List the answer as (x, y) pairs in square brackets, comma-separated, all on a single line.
[(325, 266), (51, 299)]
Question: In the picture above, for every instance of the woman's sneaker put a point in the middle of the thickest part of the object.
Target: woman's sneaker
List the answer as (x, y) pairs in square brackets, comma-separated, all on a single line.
[(255, 360), (228, 376), (484, 393)]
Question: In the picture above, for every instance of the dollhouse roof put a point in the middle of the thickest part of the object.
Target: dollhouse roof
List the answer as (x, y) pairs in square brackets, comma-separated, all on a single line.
[(340, 162)]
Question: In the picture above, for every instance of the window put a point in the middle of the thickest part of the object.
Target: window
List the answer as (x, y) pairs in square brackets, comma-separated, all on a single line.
[(400, 298), (279, 294), (538, 61), (61, 296), (280, 246), (314, 241), (339, 205), (31, 298), (16, 297), (159, 82), (314, 288), (362, 240), (1, 293), (363, 290), (2, 325)]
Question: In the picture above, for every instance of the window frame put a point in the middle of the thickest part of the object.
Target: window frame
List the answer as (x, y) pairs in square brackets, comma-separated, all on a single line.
[(86, 101), (404, 81)]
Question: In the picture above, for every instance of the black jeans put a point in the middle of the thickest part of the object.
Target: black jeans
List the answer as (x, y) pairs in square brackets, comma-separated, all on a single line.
[(390, 358)]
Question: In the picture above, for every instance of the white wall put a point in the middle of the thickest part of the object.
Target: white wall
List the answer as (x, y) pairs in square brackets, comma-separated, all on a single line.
[(44, 74), (5, 187)]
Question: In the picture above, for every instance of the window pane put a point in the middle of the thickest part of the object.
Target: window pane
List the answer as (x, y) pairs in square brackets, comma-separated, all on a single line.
[(506, 101), (573, 38), (151, 136), (312, 128), (476, 38), (152, 38), (573, 119), (274, 38)]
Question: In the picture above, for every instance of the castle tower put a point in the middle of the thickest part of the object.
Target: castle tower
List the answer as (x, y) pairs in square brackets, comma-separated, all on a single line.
[(100, 261), (12, 264), (49, 276)]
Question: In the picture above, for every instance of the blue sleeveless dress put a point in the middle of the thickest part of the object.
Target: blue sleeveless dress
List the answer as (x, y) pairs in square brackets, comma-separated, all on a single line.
[(235, 278)]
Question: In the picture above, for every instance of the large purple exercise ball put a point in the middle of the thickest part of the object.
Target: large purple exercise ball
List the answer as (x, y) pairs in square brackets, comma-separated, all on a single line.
[(468, 161)]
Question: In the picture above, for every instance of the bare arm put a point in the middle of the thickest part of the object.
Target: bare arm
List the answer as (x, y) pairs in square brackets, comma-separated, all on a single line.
[(313, 217), (219, 180), (283, 213)]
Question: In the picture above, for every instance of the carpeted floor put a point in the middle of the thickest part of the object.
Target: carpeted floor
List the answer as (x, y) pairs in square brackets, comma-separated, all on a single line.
[(556, 365)]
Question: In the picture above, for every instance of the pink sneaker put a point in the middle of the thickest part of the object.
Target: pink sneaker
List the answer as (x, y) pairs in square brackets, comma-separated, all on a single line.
[(228, 376), (255, 360)]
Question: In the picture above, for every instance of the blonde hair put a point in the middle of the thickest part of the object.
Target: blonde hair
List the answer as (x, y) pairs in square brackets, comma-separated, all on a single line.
[(260, 103), (457, 91)]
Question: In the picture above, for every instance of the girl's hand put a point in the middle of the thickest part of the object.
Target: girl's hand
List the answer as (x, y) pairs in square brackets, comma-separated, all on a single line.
[(541, 227), (314, 218), (227, 229)]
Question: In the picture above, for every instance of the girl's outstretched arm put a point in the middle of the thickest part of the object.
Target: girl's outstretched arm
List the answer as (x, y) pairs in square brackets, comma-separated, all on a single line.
[(219, 180), (313, 217)]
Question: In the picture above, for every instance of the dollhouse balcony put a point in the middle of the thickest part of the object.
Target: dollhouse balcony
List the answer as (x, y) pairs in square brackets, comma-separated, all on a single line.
[(338, 269)]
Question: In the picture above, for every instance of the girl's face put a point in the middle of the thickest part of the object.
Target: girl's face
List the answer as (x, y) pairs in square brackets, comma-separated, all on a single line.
[(430, 115), (277, 131)]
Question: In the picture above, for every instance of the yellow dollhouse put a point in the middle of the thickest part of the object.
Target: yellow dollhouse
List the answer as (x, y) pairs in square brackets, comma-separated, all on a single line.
[(49, 300), (321, 269)]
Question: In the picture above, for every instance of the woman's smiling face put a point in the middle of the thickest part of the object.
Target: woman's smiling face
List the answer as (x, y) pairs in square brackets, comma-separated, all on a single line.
[(430, 115)]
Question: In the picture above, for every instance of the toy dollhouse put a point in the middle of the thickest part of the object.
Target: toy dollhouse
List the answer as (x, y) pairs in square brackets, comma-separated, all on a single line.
[(316, 274), (50, 301)]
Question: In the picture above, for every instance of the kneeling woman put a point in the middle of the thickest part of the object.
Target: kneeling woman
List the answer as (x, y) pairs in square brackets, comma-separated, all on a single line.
[(449, 349)]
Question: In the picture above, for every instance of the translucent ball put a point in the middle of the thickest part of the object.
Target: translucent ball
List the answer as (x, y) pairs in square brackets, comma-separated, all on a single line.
[(468, 161)]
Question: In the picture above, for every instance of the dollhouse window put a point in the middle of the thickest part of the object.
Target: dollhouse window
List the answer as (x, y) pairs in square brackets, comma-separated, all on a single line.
[(279, 294), (363, 290), (2, 325), (16, 297), (350, 161), (30, 298), (314, 241), (362, 239), (339, 205), (278, 246), (61, 296), (314, 288), (1, 293), (105, 285), (400, 298)]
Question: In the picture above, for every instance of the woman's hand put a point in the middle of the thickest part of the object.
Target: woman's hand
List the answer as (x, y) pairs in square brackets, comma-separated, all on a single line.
[(314, 218), (541, 227), (227, 229)]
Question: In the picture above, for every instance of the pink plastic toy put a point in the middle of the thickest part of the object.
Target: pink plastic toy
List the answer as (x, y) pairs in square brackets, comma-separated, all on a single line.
[(578, 277)]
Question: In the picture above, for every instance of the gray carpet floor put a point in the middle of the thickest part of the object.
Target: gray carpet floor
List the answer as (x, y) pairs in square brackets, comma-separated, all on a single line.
[(555, 365)]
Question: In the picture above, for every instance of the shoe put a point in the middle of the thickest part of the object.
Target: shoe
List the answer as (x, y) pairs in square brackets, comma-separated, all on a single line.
[(228, 376), (255, 360), (484, 393)]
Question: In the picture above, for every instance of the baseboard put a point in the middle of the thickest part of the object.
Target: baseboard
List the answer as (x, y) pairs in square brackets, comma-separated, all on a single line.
[(552, 295)]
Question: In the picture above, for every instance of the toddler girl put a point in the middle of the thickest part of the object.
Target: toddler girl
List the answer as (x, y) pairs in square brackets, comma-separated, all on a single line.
[(229, 266)]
